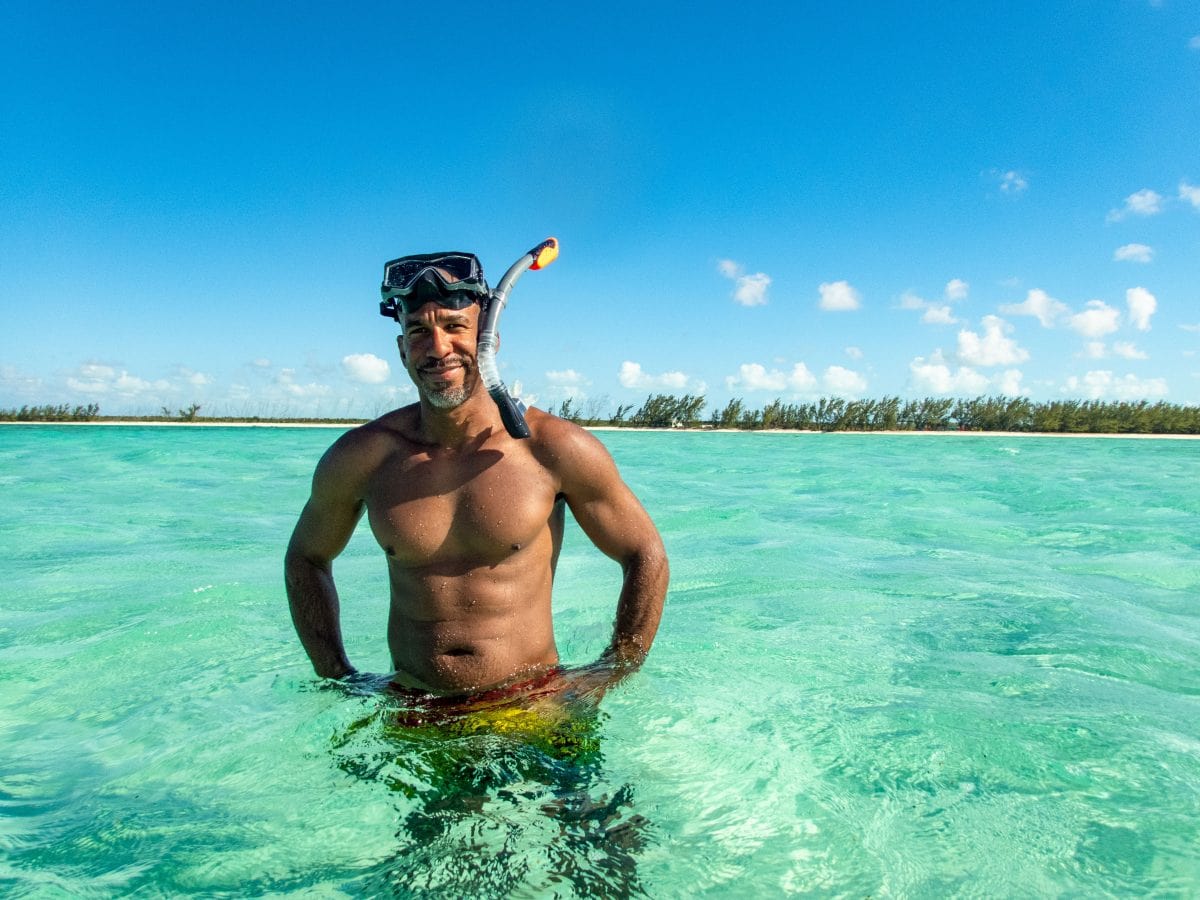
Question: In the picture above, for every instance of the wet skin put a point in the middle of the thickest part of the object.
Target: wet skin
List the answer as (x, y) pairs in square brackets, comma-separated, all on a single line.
[(470, 522)]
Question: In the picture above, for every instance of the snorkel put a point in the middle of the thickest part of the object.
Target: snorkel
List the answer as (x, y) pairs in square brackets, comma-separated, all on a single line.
[(512, 410)]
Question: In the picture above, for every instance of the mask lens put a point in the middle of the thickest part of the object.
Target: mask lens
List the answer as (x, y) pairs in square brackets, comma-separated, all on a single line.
[(401, 274)]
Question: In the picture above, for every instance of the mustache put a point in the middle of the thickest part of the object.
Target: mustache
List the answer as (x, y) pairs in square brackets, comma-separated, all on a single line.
[(452, 362)]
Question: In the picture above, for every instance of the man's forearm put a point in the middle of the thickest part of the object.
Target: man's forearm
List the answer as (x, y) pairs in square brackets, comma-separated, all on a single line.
[(316, 614), (639, 608)]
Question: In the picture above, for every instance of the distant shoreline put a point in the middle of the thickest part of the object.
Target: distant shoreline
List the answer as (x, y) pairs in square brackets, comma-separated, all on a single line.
[(126, 423)]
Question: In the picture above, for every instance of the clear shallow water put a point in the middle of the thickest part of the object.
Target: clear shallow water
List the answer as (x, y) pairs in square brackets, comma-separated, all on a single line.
[(890, 666)]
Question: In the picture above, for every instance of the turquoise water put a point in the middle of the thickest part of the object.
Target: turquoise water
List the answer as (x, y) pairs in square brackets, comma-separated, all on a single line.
[(890, 666)]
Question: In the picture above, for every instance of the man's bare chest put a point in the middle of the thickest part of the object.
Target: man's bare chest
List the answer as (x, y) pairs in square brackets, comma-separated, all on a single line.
[(429, 511)]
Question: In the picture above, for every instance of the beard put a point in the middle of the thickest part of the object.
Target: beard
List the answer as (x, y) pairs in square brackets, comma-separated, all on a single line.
[(451, 396), (447, 398)]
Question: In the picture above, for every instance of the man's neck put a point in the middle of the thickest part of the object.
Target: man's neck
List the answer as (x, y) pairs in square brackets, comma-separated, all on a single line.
[(452, 429)]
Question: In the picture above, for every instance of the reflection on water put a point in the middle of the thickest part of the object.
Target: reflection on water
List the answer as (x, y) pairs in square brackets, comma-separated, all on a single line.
[(508, 799)]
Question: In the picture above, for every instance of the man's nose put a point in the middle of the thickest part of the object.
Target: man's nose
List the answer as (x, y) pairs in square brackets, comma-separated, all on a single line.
[(440, 344)]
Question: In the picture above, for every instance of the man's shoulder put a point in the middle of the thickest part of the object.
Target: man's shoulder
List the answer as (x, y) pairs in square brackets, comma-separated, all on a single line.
[(368, 445), (560, 442)]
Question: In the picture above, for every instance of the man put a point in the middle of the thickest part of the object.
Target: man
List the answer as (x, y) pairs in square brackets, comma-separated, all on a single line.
[(470, 519)]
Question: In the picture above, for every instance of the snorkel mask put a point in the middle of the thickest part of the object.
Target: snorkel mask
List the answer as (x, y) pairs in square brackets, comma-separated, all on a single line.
[(455, 281), (452, 280)]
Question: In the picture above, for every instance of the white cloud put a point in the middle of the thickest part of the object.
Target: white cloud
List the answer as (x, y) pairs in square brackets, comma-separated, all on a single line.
[(839, 296), (1008, 382), (1099, 384), (843, 382), (1194, 43), (1096, 321), (1095, 350), (261, 363), (749, 290), (1192, 328), (631, 375), (991, 348), (366, 368), (957, 289), (1134, 253), (566, 378), (1126, 350), (938, 315), (97, 379), (756, 377), (1189, 194), (1141, 307), (1012, 182), (909, 300), (934, 375), (854, 353), (1140, 203), (1038, 304)]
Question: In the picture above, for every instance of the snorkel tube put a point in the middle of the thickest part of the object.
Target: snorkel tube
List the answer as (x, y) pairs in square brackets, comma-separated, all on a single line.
[(512, 410)]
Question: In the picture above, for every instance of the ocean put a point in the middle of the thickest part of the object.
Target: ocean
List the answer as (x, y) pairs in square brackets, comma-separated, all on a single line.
[(889, 666)]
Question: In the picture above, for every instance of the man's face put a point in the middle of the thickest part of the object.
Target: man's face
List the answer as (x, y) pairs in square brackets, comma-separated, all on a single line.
[(438, 348)]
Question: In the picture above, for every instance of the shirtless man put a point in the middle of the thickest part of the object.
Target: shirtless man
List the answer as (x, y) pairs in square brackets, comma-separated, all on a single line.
[(470, 519)]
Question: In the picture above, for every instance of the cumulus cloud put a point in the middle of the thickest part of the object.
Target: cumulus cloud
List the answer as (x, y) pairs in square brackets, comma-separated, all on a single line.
[(631, 375), (956, 289), (843, 382), (992, 348), (566, 378), (1011, 182), (366, 368), (285, 380), (1189, 193), (938, 315), (756, 377), (1095, 350), (99, 379), (1097, 320), (839, 296), (934, 375), (1140, 203), (567, 382), (1038, 304), (1101, 384), (1126, 350), (1134, 253), (1008, 382), (1141, 307), (748, 290)]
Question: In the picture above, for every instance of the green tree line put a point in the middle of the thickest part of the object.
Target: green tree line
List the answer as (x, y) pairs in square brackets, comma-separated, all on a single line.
[(61, 413), (997, 413)]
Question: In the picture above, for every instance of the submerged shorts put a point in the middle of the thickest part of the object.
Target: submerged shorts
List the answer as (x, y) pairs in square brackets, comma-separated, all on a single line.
[(534, 712)]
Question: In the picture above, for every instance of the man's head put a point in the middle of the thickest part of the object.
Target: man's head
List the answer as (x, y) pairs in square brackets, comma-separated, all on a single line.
[(438, 299)]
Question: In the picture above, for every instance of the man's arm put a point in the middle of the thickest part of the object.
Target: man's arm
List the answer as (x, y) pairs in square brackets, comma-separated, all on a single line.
[(611, 516), (324, 529)]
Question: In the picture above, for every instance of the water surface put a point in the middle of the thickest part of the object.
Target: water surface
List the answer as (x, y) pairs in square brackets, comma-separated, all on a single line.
[(889, 666)]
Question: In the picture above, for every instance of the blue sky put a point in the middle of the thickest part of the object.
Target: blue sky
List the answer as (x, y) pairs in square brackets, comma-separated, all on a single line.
[(754, 200)]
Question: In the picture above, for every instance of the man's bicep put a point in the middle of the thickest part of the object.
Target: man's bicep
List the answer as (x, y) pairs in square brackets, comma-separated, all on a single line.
[(328, 519), (607, 510)]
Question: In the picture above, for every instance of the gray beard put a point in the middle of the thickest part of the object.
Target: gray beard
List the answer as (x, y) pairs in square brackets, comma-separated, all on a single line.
[(450, 398)]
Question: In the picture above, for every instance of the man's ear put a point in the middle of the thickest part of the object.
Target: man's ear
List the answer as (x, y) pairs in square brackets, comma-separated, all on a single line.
[(400, 344)]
